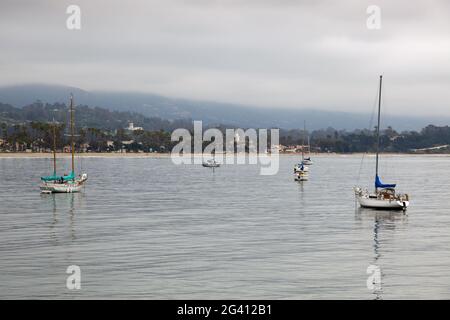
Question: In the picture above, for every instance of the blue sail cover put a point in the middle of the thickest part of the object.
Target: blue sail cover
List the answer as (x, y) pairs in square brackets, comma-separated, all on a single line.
[(71, 176), (379, 184)]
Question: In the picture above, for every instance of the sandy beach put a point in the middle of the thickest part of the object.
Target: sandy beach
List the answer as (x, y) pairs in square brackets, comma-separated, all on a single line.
[(84, 155), (167, 155)]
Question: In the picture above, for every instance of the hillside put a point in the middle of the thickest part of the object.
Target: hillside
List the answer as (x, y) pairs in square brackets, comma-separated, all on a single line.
[(85, 116), (156, 106)]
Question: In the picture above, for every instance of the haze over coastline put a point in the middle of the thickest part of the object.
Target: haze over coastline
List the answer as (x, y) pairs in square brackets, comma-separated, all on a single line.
[(210, 112)]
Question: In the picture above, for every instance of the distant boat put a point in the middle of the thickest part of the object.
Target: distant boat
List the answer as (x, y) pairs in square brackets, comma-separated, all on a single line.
[(301, 173), (211, 163), (384, 196), (307, 160), (301, 170), (300, 167), (66, 183)]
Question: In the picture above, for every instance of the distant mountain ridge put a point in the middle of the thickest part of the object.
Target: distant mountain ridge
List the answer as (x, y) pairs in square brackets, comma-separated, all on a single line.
[(152, 105), (85, 117)]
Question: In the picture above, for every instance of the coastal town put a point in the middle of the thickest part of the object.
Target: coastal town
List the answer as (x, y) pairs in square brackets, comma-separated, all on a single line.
[(35, 137)]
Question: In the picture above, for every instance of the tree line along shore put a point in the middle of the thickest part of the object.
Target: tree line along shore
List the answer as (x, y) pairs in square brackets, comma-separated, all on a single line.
[(38, 137), (30, 129)]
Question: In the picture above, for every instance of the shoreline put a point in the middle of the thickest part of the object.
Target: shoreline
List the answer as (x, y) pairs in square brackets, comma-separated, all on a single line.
[(44, 155)]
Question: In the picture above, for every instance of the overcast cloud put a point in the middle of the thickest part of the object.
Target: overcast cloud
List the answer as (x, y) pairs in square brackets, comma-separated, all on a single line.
[(271, 53)]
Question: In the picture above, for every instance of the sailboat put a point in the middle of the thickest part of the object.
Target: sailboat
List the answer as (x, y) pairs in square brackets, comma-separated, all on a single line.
[(303, 165), (301, 169), (307, 160), (301, 173), (66, 183), (384, 196)]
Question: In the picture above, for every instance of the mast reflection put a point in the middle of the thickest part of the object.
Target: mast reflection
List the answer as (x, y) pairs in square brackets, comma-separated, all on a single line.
[(382, 221)]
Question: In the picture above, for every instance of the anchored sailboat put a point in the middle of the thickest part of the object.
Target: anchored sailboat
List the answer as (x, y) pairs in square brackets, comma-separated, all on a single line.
[(307, 160), (384, 196), (301, 173), (69, 183), (301, 169)]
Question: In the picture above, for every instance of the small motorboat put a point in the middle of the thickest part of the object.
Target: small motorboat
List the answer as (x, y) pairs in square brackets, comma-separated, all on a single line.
[(211, 163)]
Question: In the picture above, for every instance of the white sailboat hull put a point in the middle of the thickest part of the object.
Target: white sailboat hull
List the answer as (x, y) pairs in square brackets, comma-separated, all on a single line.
[(60, 188), (67, 187), (297, 169), (209, 165), (301, 176), (376, 203)]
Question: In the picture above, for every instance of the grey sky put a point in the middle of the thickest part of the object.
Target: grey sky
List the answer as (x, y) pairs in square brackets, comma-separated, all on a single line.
[(270, 53)]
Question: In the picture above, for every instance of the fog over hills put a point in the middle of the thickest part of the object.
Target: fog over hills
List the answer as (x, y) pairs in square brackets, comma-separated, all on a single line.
[(152, 105)]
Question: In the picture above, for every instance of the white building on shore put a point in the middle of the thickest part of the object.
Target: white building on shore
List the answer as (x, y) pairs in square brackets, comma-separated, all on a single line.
[(131, 127)]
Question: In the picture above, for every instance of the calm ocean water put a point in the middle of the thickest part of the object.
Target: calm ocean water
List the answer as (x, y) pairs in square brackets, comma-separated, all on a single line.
[(145, 228)]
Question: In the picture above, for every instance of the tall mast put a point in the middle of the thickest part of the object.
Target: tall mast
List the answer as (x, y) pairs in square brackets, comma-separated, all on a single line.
[(54, 147), (303, 139), (72, 147), (309, 146), (378, 127)]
